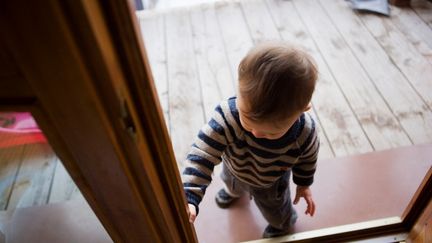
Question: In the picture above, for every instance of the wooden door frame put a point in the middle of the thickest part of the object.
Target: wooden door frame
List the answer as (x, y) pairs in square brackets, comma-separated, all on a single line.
[(88, 84), (82, 70)]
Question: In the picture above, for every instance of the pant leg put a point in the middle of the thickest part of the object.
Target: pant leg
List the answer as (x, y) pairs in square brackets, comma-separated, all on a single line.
[(275, 203), (232, 186)]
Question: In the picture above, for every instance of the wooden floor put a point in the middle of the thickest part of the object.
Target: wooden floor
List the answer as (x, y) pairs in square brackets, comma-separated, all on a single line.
[(32, 175), (374, 92), (375, 86)]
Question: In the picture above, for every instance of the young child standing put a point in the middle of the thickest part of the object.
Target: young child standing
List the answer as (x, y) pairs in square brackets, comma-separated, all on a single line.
[(261, 136)]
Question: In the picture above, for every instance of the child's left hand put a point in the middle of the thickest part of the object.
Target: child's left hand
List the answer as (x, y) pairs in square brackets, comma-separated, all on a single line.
[(306, 193)]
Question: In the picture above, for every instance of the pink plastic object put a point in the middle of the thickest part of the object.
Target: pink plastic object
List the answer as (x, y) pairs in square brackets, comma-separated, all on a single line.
[(18, 128)]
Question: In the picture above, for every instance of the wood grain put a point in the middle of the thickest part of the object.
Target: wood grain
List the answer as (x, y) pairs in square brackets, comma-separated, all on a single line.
[(153, 32), (379, 123), (63, 187), (121, 158), (211, 59), (423, 9), (185, 100), (403, 100), (235, 33), (10, 162), (418, 33), (402, 53), (33, 182)]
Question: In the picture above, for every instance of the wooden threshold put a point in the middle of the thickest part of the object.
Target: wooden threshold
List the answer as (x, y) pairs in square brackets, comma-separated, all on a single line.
[(339, 231), (347, 190)]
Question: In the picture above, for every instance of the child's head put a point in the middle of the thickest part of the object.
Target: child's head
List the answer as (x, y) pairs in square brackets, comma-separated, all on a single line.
[(276, 82)]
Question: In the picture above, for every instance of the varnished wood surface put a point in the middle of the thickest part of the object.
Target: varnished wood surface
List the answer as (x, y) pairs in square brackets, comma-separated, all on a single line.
[(96, 103)]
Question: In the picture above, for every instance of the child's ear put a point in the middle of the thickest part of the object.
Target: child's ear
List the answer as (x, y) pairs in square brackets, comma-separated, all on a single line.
[(308, 107)]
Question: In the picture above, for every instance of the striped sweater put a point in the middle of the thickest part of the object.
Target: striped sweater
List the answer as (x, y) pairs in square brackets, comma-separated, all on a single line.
[(258, 162)]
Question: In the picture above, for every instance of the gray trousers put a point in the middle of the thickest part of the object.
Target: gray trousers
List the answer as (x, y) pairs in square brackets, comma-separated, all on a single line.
[(273, 202)]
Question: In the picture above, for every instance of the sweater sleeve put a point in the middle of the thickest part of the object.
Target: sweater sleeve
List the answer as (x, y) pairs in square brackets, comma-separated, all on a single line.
[(205, 153), (304, 169)]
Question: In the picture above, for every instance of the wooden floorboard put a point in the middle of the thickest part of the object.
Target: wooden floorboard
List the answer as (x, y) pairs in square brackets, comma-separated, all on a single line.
[(423, 9), (415, 29), (404, 102), (235, 33), (380, 125), (33, 183), (325, 150), (10, 161), (212, 62), (405, 56), (153, 31), (260, 23), (63, 188), (185, 99)]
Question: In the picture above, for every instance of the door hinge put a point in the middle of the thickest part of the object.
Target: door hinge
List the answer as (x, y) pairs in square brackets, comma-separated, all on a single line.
[(127, 121)]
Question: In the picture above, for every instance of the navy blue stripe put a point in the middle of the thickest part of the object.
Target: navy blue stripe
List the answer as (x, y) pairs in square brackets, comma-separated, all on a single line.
[(262, 153), (238, 156), (196, 172), (272, 173), (260, 176), (302, 125), (303, 181), (200, 160), (201, 187), (240, 144), (309, 138), (211, 142), (294, 153), (311, 145), (233, 108), (305, 162), (247, 155), (302, 172), (230, 128), (192, 196), (216, 127)]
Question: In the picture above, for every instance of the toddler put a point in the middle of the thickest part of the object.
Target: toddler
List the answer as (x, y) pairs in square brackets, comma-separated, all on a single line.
[(261, 136)]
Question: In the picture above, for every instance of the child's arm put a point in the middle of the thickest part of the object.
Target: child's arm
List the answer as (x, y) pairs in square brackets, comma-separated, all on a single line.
[(205, 153), (304, 169)]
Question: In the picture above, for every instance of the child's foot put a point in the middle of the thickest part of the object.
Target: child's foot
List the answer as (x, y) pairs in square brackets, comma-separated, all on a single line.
[(223, 199), (271, 231)]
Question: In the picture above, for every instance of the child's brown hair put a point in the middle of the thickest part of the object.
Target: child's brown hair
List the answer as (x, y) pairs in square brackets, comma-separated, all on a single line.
[(276, 80)]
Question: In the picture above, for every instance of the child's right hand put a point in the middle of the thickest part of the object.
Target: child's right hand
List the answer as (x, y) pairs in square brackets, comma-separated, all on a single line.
[(191, 212)]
